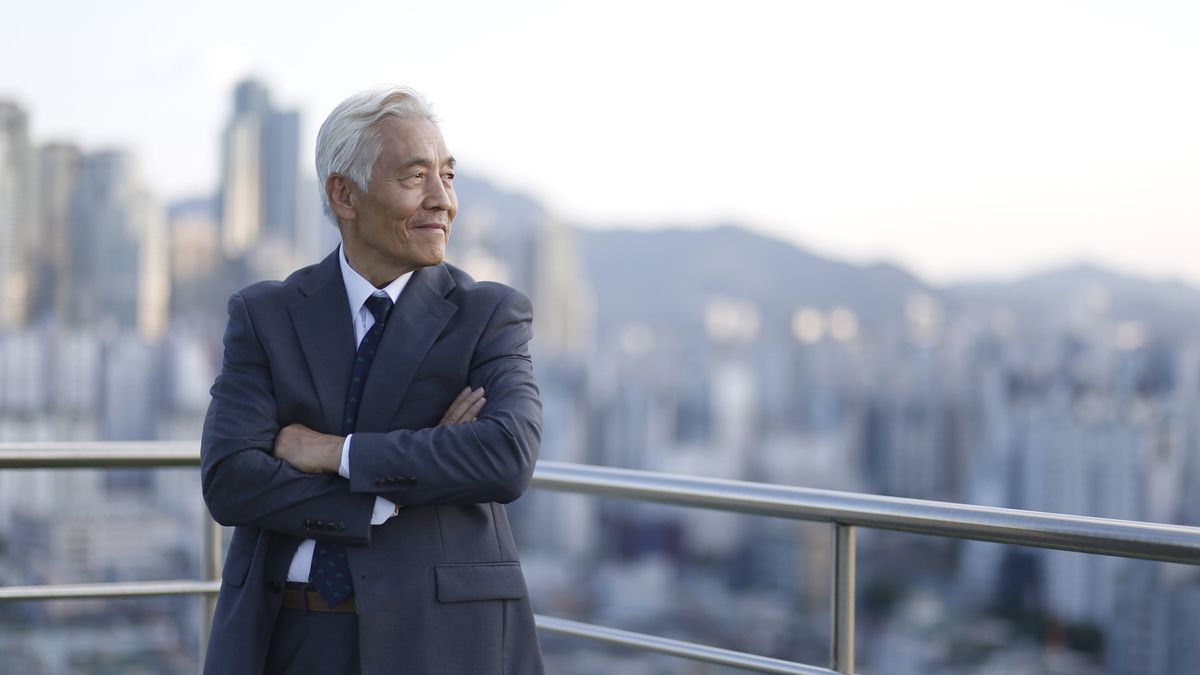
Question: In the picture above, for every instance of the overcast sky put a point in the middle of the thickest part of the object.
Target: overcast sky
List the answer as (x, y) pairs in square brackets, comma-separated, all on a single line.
[(959, 139)]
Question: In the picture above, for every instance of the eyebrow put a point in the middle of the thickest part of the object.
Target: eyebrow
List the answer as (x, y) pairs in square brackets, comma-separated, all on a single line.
[(423, 161)]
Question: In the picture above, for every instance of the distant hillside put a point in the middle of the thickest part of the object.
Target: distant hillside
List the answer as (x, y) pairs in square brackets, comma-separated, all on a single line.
[(512, 208), (666, 276), (1170, 306)]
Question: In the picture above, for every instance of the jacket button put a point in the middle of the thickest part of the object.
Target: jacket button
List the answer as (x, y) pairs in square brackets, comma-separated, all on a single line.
[(274, 586)]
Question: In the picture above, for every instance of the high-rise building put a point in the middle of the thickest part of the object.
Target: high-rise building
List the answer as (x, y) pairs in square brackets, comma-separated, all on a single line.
[(280, 169), (53, 268), (119, 243), (154, 270), (195, 244), (16, 174), (316, 235), (259, 177), (241, 170)]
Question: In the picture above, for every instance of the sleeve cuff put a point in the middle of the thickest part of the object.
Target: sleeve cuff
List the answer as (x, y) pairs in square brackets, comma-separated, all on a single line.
[(384, 509), (344, 467)]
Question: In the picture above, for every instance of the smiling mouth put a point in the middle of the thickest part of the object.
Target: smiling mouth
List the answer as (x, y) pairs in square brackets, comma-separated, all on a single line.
[(432, 226)]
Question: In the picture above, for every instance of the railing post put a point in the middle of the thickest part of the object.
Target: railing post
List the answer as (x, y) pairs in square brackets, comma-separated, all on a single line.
[(213, 551), (844, 561)]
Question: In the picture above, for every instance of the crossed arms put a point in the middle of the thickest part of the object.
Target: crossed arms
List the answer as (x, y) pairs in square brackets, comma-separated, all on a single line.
[(315, 452), (257, 472)]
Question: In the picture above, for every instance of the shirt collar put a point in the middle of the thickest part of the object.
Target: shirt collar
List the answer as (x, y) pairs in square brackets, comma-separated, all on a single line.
[(359, 289)]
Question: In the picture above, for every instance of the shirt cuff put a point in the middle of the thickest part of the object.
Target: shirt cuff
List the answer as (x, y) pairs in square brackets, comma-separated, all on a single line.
[(344, 467), (383, 510)]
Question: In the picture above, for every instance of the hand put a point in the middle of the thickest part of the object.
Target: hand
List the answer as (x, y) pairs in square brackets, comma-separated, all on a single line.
[(308, 450), (464, 408)]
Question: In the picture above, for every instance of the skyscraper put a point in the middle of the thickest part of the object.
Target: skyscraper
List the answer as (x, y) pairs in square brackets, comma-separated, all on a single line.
[(53, 263), (280, 164), (118, 240), (16, 173), (259, 178)]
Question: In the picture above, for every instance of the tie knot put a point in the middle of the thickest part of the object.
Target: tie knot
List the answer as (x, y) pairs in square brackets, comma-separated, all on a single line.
[(379, 306)]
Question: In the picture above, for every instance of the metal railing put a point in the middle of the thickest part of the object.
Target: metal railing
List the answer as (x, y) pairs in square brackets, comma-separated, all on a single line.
[(844, 511)]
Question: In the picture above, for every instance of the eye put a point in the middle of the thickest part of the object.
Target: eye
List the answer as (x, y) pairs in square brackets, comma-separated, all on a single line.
[(450, 175)]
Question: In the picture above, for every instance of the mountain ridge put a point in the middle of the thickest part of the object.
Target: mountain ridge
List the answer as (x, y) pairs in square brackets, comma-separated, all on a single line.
[(667, 275)]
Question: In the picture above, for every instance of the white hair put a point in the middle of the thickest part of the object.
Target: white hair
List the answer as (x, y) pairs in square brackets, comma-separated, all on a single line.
[(349, 142)]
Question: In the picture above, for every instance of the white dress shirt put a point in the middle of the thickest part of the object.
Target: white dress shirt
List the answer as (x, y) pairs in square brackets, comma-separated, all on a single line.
[(358, 290)]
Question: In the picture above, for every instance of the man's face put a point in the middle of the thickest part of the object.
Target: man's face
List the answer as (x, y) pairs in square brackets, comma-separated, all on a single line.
[(402, 220)]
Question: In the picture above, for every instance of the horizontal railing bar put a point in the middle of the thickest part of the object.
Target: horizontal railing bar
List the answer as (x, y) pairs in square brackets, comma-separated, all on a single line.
[(105, 455), (120, 589), (1150, 541), (687, 650), (131, 589)]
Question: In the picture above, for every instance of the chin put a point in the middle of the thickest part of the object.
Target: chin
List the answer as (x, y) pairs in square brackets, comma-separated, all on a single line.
[(433, 259)]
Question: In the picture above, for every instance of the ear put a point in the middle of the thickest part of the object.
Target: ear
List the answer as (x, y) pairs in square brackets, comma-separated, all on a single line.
[(341, 197)]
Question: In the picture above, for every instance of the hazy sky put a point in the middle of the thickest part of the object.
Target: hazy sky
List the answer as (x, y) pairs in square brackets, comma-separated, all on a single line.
[(960, 139)]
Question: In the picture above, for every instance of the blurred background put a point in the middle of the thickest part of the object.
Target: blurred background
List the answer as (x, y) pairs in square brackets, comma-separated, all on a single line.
[(928, 249)]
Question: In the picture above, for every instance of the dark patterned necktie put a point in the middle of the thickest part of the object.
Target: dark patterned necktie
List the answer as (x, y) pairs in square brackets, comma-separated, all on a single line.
[(330, 572)]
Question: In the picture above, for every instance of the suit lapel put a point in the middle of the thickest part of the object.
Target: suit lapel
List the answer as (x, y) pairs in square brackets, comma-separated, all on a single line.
[(420, 315), (323, 325)]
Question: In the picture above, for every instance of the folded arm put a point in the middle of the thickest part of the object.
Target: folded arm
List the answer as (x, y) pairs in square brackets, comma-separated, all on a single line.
[(490, 459), (244, 484)]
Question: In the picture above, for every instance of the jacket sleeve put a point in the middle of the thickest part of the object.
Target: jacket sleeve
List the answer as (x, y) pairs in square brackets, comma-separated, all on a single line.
[(244, 484), (488, 460)]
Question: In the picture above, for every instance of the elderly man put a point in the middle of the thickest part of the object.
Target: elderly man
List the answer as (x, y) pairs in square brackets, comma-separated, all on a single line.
[(372, 415)]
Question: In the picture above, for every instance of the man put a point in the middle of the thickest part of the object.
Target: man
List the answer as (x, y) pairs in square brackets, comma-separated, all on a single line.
[(350, 442)]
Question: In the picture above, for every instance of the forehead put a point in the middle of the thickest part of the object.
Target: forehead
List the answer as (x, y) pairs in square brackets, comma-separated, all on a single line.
[(411, 141)]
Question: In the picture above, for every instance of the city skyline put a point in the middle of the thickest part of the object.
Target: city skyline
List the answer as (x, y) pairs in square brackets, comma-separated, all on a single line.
[(958, 142), (1071, 393)]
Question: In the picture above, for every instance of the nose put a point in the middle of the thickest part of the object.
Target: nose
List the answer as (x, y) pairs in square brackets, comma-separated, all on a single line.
[(437, 196)]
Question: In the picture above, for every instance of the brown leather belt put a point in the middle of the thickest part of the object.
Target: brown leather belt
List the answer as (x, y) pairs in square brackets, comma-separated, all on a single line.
[(297, 596)]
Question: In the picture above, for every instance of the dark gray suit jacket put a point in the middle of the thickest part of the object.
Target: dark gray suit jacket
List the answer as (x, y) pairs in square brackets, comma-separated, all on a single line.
[(440, 590)]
